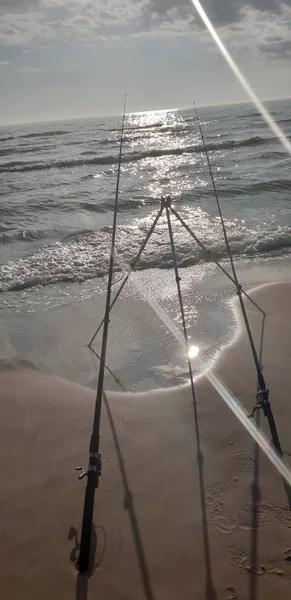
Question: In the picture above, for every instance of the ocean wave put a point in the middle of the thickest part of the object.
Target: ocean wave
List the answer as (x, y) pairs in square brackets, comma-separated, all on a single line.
[(285, 121), (124, 205), (149, 126), (24, 150), (6, 151), (112, 142), (272, 185), (7, 139), (137, 128), (85, 256), (107, 142), (249, 115), (254, 113), (93, 207), (26, 235), (143, 127), (18, 166), (273, 154), (174, 132), (43, 134)]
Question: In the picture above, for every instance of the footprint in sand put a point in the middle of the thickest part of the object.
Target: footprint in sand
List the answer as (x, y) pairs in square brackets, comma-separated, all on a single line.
[(239, 559), (281, 515), (218, 515), (266, 512), (241, 461), (224, 525), (230, 593)]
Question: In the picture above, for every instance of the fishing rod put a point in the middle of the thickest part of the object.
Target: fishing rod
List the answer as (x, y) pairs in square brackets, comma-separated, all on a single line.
[(263, 392), (95, 462)]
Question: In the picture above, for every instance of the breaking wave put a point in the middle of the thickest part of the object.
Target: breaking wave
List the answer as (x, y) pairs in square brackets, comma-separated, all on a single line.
[(21, 166), (85, 256)]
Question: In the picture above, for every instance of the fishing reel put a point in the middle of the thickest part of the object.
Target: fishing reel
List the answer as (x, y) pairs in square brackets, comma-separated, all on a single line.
[(263, 403), (95, 467)]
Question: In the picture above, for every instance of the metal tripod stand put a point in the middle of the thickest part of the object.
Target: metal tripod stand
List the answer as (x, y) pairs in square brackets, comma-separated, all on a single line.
[(262, 395), (94, 471)]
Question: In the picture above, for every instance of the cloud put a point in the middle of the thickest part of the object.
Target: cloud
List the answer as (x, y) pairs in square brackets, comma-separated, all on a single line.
[(278, 50), (24, 21), (225, 11), (251, 26), (4, 63), (221, 12), (243, 22), (21, 28)]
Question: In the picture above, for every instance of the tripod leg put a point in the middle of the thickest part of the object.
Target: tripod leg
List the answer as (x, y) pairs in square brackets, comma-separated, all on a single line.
[(209, 254), (132, 267), (180, 299), (210, 593)]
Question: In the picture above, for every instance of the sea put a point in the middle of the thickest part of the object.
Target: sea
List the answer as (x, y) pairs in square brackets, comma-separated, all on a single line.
[(57, 192)]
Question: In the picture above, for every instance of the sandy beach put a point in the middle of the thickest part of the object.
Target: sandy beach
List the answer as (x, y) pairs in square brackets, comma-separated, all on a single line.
[(162, 529)]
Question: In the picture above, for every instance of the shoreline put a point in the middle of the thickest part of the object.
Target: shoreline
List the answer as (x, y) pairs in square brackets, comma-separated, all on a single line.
[(152, 532), (55, 340), (18, 361)]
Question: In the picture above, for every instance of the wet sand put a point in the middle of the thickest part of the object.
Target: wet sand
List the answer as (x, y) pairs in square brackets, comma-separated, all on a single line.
[(164, 529)]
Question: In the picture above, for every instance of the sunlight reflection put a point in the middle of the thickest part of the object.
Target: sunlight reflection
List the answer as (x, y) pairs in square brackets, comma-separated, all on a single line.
[(229, 398), (193, 352), (153, 118)]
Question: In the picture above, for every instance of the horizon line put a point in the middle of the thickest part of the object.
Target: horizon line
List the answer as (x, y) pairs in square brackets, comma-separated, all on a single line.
[(102, 116)]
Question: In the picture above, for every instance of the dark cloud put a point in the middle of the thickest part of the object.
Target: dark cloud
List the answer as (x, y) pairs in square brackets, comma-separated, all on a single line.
[(279, 50), (231, 13), (221, 12)]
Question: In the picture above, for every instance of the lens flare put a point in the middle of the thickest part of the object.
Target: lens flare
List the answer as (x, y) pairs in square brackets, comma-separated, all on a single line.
[(227, 396), (193, 352), (242, 80)]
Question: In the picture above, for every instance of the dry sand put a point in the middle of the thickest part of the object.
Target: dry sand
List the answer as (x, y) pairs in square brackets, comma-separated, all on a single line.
[(151, 539)]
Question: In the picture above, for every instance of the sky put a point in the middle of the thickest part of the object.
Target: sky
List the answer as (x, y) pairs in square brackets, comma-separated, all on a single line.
[(62, 59)]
